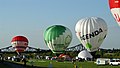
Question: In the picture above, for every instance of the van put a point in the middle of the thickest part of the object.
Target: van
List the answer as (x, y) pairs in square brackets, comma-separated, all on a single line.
[(114, 62)]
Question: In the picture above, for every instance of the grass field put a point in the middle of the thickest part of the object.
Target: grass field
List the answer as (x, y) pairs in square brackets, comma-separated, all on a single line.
[(66, 64)]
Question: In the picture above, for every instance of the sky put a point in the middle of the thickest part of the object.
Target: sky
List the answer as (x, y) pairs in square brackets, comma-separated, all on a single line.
[(30, 18)]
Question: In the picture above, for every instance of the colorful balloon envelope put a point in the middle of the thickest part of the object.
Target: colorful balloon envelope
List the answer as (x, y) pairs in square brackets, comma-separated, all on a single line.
[(91, 32), (20, 43), (115, 9), (57, 38)]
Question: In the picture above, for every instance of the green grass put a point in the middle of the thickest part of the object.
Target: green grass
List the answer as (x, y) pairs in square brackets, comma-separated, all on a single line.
[(54, 63), (45, 63), (65, 64)]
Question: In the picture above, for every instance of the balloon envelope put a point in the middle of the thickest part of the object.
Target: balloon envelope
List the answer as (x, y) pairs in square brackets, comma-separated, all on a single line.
[(57, 38), (91, 32), (20, 43), (115, 9)]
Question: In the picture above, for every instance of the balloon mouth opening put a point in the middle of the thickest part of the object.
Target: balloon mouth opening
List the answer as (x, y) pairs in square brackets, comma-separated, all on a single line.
[(57, 52)]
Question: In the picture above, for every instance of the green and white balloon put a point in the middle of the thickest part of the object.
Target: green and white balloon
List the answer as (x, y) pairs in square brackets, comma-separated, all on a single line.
[(57, 38), (91, 32)]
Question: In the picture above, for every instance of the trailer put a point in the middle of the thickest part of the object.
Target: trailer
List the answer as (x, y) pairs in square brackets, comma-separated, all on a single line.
[(102, 61)]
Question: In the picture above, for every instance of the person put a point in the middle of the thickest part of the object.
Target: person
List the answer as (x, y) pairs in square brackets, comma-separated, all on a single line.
[(75, 66), (50, 65), (24, 61), (2, 59), (31, 62), (73, 60)]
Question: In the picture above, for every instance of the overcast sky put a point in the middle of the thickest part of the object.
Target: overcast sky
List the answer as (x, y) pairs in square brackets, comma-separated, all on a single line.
[(31, 18)]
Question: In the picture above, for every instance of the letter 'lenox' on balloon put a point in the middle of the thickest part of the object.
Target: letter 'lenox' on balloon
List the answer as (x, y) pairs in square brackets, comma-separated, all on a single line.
[(91, 32)]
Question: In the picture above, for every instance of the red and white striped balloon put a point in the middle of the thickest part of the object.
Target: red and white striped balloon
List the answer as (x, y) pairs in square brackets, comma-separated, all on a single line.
[(20, 43), (115, 9)]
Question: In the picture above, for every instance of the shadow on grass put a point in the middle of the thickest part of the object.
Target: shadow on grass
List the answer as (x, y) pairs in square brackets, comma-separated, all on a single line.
[(17, 65)]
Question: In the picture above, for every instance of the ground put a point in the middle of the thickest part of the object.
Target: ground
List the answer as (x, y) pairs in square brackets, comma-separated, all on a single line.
[(54, 64)]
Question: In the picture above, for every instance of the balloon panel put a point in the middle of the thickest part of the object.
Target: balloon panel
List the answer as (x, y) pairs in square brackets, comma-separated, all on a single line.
[(91, 32), (114, 4), (57, 38), (19, 38), (115, 9)]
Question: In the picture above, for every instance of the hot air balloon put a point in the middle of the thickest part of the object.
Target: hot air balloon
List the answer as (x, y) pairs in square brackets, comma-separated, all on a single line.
[(57, 38), (115, 9), (20, 43), (91, 32)]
